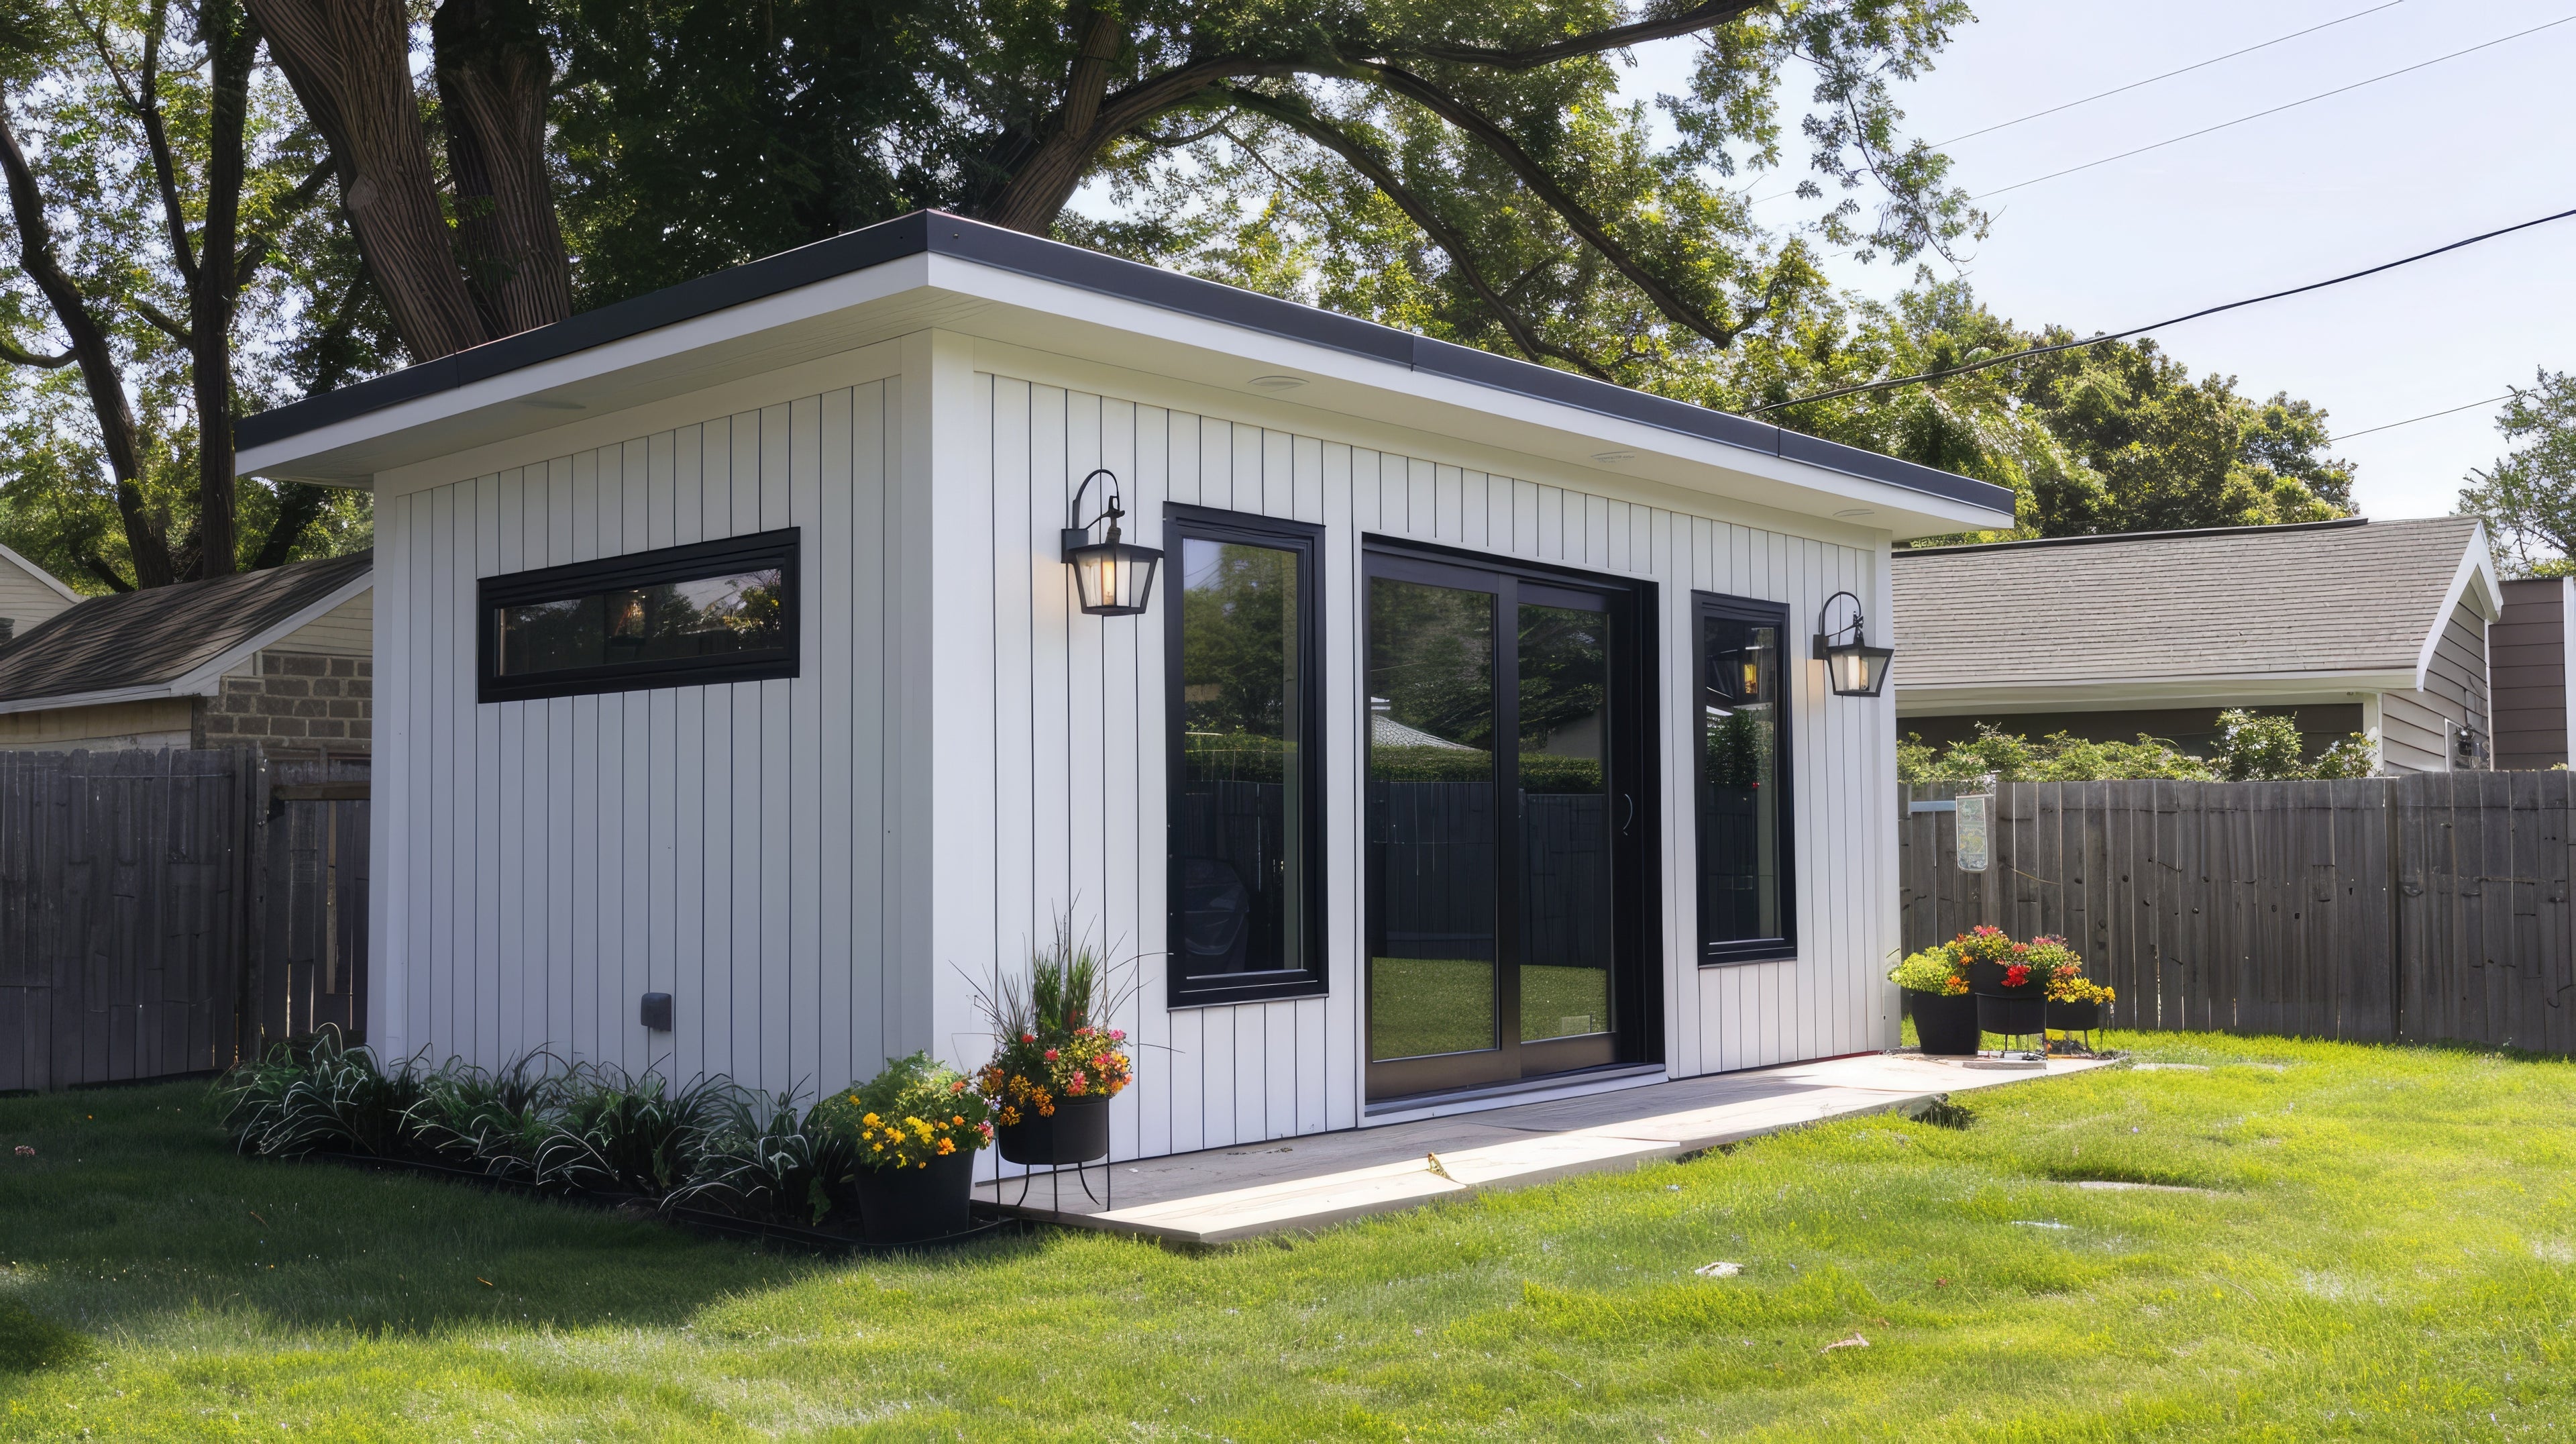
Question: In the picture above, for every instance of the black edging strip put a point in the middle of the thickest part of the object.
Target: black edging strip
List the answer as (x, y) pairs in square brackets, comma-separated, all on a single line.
[(939, 233), (990, 1222)]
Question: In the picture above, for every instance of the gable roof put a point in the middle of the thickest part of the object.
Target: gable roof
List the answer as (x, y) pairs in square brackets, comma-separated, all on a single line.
[(2354, 603), (38, 575), (339, 437), (169, 641)]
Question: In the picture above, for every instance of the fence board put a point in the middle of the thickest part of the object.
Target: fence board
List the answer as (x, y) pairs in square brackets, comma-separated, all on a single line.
[(2430, 907)]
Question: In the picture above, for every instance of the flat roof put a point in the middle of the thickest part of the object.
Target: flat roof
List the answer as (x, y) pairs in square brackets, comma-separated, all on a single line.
[(940, 234)]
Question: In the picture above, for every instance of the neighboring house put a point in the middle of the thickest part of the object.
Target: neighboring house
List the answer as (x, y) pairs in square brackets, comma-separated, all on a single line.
[(2535, 688), (28, 594), (2374, 627), (733, 678), (279, 657)]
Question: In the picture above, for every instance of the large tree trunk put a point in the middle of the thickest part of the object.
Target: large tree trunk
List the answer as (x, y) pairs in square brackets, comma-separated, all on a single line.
[(99, 372), (231, 44), (1039, 188), (493, 75), (349, 61)]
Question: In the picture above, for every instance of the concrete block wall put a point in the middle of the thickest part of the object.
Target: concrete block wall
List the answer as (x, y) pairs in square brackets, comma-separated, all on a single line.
[(294, 704)]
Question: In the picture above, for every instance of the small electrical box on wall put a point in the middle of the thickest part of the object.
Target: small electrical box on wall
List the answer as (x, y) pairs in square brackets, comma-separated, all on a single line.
[(657, 1012)]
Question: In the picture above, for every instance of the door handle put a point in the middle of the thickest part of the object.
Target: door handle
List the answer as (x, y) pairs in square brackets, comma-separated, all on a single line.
[(1631, 819)]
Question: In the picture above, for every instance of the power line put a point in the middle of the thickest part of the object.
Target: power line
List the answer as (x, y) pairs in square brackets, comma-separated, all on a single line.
[(1945, 374), (2427, 416), (2276, 110), (2168, 75)]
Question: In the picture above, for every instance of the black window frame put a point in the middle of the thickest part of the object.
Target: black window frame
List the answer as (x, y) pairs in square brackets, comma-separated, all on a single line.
[(1705, 605), (759, 551), (1182, 524)]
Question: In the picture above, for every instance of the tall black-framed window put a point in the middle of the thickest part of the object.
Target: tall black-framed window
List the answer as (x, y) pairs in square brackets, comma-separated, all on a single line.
[(1245, 721), (1747, 897), (719, 611)]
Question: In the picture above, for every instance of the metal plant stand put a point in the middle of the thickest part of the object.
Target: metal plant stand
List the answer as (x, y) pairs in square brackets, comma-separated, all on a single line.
[(1054, 1173)]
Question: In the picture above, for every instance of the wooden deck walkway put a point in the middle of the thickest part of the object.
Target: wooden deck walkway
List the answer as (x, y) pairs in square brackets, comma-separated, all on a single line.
[(1222, 1194)]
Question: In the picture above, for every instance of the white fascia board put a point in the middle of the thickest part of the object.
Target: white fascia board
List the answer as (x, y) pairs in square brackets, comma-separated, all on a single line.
[(39, 573), (668, 360), (206, 678), (2477, 583), (2248, 689)]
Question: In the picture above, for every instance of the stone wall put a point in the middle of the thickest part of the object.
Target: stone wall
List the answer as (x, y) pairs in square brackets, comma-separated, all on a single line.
[(294, 704)]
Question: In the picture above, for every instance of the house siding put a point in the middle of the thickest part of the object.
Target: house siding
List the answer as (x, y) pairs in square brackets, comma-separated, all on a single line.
[(2412, 723), (812, 866), (2528, 664), (25, 599), (550, 861)]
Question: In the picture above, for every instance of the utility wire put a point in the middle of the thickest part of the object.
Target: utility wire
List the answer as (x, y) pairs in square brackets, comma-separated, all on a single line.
[(2276, 110), (2168, 75), (1945, 374), (2411, 420)]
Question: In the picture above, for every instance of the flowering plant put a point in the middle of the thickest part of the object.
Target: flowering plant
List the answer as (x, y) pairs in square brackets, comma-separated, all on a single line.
[(2077, 988), (914, 1111), (2049, 959), (1933, 970), (1982, 944), (1053, 1049)]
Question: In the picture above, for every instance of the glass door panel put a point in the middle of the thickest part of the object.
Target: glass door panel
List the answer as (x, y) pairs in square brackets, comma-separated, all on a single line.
[(1432, 828), (1566, 939)]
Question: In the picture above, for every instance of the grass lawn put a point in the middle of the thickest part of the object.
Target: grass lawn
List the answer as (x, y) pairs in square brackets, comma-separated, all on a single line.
[(2381, 1244)]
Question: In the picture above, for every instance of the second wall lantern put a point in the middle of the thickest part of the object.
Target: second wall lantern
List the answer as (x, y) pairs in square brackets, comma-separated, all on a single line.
[(1111, 577)]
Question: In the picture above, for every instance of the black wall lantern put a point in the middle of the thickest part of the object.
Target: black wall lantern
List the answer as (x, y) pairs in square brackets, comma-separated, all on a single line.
[(1113, 578), (1852, 665)]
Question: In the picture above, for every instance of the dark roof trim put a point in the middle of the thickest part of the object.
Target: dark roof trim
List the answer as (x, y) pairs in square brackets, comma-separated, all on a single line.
[(941, 234), (2026, 544)]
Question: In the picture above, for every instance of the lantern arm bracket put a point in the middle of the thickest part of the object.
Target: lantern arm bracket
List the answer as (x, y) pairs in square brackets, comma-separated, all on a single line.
[(1077, 532), (1825, 636)]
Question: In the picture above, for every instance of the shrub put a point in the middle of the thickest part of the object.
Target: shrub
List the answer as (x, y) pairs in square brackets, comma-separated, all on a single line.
[(318, 1095), (758, 1158), (494, 1121), (1933, 970), (617, 1132), (912, 1112)]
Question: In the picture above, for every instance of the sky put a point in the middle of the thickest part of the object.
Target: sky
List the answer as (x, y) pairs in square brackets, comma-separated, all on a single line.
[(2368, 176)]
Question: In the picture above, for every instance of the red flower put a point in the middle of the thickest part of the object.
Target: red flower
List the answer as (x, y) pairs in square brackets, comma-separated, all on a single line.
[(1028, 1037), (1050, 1055), (2016, 975)]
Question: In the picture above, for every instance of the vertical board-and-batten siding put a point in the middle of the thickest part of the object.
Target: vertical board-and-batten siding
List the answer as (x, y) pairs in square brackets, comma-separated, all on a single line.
[(813, 866), (553, 860), (1079, 747)]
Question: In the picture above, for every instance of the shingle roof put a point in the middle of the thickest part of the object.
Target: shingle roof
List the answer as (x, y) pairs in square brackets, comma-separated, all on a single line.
[(2324, 597), (158, 635)]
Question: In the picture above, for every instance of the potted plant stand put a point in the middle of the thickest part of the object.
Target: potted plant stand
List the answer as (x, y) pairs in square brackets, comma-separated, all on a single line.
[(908, 1205), (2081, 1018), (1076, 1135), (1945, 1024)]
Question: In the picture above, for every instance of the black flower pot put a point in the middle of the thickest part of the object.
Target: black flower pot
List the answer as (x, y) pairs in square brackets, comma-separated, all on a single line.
[(907, 1205), (1945, 1023), (2081, 1017), (1078, 1133), (2012, 1012)]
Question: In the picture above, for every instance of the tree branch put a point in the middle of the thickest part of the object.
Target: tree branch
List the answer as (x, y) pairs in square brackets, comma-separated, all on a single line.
[(162, 321), (19, 356), (1298, 117), (1705, 16), (256, 245), (1551, 194), (143, 98)]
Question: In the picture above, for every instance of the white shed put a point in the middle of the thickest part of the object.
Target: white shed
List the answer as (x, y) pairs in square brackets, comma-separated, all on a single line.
[(1469, 746)]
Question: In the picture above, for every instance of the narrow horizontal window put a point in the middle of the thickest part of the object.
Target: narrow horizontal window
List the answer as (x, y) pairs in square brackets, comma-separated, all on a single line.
[(1247, 768), (721, 611)]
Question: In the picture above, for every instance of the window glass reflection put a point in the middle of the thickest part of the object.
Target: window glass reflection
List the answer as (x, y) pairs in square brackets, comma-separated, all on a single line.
[(1742, 829), (739, 614), (1240, 823)]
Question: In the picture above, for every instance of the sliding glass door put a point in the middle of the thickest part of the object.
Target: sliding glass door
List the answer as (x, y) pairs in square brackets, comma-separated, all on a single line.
[(1506, 825)]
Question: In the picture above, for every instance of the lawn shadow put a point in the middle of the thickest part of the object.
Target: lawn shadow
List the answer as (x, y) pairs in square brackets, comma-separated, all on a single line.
[(136, 1210)]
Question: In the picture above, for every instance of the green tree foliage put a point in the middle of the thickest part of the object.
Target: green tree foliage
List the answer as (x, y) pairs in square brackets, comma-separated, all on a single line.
[(2252, 747), (2528, 498), (2113, 437), (122, 216)]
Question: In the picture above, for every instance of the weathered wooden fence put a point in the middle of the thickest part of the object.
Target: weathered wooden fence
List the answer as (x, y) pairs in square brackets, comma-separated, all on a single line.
[(161, 912), (2431, 907)]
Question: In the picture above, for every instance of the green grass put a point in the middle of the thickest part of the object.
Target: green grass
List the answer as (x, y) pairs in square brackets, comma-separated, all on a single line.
[(1421, 1006), (2382, 1250)]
